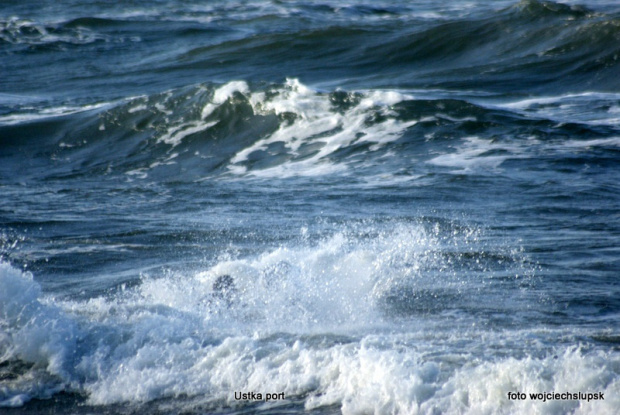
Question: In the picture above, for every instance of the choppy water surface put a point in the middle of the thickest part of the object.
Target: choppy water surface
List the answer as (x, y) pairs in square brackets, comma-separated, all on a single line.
[(377, 208)]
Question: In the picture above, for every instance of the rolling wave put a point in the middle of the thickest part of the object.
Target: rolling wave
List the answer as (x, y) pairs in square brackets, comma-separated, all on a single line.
[(530, 47), (271, 130)]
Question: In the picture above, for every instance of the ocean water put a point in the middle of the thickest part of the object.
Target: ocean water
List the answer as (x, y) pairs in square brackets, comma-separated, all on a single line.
[(357, 207)]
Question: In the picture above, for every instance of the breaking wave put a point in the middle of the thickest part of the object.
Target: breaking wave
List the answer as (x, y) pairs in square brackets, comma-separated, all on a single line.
[(333, 322), (278, 131)]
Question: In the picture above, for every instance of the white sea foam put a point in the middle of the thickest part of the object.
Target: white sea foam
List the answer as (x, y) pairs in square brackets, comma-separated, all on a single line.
[(24, 31), (306, 319), (475, 155), (470, 155), (593, 108), (140, 107), (176, 131), (332, 285), (317, 125), (600, 142), (222, 94), (315, 131), (175, 135), (46, 113), (34, 332)]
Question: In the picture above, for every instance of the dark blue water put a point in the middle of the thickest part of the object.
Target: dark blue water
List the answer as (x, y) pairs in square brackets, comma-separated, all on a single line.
[(370, 208)]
